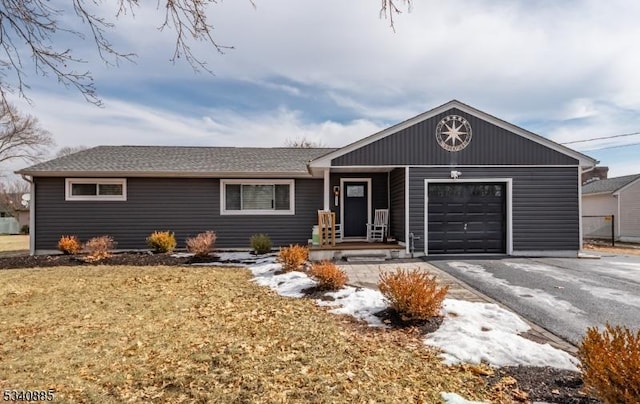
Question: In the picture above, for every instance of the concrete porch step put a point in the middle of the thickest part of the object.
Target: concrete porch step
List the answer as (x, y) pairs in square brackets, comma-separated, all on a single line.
[(364, 257)]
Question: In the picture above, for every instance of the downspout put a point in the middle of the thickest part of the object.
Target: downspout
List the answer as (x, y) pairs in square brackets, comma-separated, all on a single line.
[(32, 214)]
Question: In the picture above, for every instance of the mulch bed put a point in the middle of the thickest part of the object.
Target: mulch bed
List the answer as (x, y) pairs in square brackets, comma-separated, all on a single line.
[(129, 258), (546, 384), (393, 319), (539, 383), (317, 293)]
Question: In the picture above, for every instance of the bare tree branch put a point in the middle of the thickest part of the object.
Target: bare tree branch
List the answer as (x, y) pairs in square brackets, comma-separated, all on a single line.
[(29, 29), (389, 7), (67, 150), (21, 136), (303, 143)]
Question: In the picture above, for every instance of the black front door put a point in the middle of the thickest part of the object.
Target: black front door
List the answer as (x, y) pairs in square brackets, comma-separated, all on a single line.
[(467, 218), (356, 207)]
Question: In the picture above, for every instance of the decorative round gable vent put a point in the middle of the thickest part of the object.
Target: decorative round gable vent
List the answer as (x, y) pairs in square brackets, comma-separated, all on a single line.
[(453, 133)]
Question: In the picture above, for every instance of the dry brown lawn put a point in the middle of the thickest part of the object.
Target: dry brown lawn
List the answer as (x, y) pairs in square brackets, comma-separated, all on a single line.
[(201, 334), (14, 243)]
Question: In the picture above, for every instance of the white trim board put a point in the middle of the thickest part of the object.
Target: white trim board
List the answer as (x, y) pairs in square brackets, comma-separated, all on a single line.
[(508, 199), (406, 208), (68, 195), (258, 212), (391, 167)]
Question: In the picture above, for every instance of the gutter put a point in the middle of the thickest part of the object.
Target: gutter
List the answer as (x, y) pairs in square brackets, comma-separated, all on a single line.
[(165, 174)]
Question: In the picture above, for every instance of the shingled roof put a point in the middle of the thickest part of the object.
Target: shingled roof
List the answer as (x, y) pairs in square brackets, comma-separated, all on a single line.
[(609, 185), (179, 161)]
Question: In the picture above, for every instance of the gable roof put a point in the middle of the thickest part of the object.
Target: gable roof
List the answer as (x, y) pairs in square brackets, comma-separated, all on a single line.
[(325, 160), (610, 185), (180, 161)]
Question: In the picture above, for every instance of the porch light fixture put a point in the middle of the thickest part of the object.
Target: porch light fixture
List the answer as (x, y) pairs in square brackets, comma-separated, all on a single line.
[(455, 174)]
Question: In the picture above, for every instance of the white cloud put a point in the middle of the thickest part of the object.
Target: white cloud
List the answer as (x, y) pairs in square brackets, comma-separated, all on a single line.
[(75, 122), (567, 68)]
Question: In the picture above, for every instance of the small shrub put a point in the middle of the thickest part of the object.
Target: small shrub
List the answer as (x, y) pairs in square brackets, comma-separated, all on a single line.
[(611, 364), (328, 275), (292, 257), (69, 245), (202, 244), (24, 229), (99, 248), (162, 241), (412, 293), (261, 243)]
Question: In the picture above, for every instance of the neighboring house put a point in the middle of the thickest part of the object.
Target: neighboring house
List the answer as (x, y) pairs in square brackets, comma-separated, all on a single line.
[(455, 180), (13, 213), (619, 197)]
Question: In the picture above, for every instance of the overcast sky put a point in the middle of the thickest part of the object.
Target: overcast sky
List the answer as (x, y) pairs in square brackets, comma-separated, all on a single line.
[(333, 71)]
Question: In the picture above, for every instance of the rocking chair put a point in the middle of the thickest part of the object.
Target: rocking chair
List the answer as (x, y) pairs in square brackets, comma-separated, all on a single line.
[(377, 231)]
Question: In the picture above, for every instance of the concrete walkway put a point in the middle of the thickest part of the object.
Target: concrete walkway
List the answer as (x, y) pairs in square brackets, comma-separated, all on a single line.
[(367, 275)]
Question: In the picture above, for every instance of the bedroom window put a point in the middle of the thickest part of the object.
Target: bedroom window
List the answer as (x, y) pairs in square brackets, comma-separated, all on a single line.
[(96, 189), (257, 197)]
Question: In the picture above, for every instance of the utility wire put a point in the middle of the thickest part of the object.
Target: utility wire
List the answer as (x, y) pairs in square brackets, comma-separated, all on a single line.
[(602, 138), (612, 147)]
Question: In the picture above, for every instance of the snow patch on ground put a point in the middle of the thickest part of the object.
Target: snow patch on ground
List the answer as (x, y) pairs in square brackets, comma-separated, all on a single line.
[(289, 284), (470, 332), (541, 298), (453, 398), (483, 332), (547, 270), (627, 270), (231, 258), (359, 302), (613, 294), (596, 290)]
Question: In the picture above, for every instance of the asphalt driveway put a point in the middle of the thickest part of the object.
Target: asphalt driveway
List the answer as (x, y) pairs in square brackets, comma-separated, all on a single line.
[(563, 295)]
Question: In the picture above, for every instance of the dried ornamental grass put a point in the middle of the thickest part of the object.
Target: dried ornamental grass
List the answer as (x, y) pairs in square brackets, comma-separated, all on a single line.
[(162, 241), (610, 362), (69, 245), (293, 257), (202, 244), (412, 293), (99, 248), (328, 275)]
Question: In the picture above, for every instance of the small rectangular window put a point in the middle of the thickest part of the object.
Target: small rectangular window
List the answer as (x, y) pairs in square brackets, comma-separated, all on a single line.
[(355, 191), (257, 197), (109, 189), (95, 189), (84, 189)]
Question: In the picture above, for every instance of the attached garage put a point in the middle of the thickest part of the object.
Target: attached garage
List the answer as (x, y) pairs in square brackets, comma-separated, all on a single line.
[(466, 217), (461, 181)]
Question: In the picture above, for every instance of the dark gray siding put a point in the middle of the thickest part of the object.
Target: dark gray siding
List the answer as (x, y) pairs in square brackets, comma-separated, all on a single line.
[(397, 207), (490, 145), (545, 204), (184, 206), (379, 195)]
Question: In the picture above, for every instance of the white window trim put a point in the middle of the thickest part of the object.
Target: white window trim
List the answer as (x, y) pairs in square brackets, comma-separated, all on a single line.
[(69, 197), (292, 201)]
